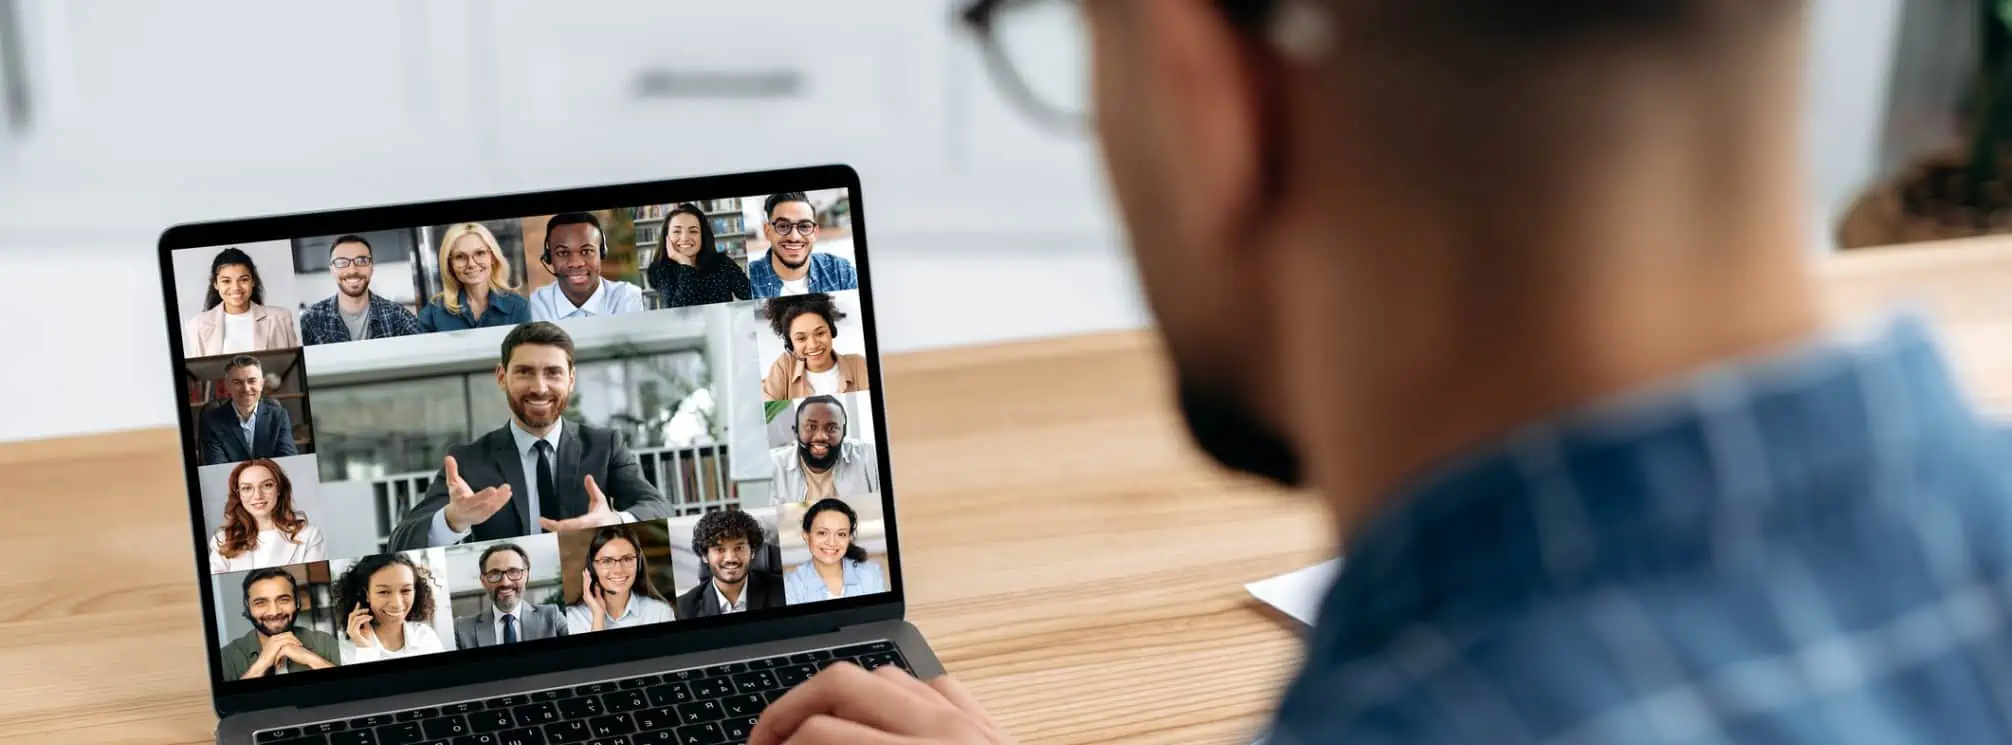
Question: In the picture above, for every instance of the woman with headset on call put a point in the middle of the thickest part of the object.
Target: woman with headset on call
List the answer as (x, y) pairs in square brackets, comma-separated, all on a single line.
[(616, 591), (809, 364)]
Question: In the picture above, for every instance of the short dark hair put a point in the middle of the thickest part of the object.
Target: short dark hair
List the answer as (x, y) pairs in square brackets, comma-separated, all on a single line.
[(351, 239), (242, 360), (353, 589), (537, 332), (852, 550), (256, 576), (233, 257), (782, 311), (482, 562), (564, 219), (720, 525), (768, 205), (822, 398)]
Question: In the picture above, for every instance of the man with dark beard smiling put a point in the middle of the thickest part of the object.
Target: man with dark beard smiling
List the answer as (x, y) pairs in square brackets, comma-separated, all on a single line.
[(823, 462), (551, 474), (354, 313), (275, 646)]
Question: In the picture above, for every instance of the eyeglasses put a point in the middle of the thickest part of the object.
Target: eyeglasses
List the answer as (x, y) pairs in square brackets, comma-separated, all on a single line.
[(1037, 51), (347, 263), (497, 575), (783, 227), (609, 563)]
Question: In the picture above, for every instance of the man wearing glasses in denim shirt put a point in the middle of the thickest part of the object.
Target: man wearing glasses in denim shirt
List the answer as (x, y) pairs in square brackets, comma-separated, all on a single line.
[(791, 267), (1520, 289)]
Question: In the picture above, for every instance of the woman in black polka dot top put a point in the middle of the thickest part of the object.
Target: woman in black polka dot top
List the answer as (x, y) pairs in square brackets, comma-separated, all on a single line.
[(691, 270)]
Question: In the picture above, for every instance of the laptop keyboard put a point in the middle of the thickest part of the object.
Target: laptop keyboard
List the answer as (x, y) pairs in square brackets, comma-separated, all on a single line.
[(711, 705)]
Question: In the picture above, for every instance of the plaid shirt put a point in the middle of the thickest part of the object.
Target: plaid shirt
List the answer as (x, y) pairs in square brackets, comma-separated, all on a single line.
[(828, 273), (1811, 548), (322, 322)]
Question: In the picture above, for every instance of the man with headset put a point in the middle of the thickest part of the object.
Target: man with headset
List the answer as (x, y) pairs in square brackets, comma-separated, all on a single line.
[(1521, 291), (823, 462), (574, 248)]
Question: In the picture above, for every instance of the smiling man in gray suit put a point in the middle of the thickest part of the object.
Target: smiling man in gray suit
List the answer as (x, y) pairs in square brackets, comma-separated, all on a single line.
[(579, 477), (507, 618)]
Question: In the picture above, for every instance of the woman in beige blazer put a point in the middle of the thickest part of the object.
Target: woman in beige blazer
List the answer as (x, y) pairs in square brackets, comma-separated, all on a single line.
[(809, 365), (235, 319)]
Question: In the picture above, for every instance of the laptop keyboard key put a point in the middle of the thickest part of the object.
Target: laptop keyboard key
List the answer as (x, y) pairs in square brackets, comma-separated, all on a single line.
[(508, 702), (553, 694), (701, 734), (743, 706), (616, 740), (454, 726), (465, 707), (663, 737), (372, 722), (726, 669), (625, 701), (593, 689), (276, 735), (806, 658), (642, 682), (581, 708), (699, 711), (481, 738), (353, 737), (532, 715), (416, 715), (570, 731), (861, 650), (712, 688), (403, 733), (611, 726), (489, 721), (794, 675), (755, 682), (655, 719), (669, 695), (529, 736), (882, 659), (308, 739), (737, 728)]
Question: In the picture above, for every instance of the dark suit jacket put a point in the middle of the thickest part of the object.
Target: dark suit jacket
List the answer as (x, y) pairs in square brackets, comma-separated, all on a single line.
[(534, 622), (493, 459), (223, 441), (764, 591)]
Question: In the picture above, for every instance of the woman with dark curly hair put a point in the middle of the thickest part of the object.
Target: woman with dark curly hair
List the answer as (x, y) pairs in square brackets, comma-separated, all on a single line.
[(690, 270), (809, 365), (261, 528), (615, 587), (235, 318), (389, 602), (838, 567)]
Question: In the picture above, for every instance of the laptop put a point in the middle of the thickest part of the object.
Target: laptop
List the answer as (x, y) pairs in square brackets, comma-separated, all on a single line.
[(595, 465)]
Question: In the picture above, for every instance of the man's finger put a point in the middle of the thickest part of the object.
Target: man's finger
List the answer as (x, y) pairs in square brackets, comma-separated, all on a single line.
[(907, 682), (824, 729), (453, 473), (845, 691), (958, 695), (550, 525), (595, 502)]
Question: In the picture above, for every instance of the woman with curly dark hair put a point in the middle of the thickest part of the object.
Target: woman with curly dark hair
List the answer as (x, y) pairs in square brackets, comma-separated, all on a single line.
[(235, 318), (809, 364), (615, 587), (389, 602), (838, 567), (690, 270), (261, 528)]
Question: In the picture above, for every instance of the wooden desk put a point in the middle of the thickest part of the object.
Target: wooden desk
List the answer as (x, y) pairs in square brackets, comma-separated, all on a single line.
[(1070, 558)]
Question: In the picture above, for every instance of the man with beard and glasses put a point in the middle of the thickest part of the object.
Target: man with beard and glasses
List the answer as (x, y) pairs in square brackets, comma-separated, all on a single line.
[(507, 618), (538, 473), (824, 462), (275, 646), (354, 313), (249, 425), (791, 267), (574, 248), (1521, 291), (727, 541)]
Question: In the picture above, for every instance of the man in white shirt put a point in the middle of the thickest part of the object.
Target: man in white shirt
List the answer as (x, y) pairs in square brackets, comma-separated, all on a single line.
[(823, 462), (574, 248), (507, 618), (727, 541)]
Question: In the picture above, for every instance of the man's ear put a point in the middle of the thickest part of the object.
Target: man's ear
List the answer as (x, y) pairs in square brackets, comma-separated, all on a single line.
[(1217, 113)]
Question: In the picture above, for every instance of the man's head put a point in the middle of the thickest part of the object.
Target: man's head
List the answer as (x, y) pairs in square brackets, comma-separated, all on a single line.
[(270, 598), (504, 567), (244, 377), (1267, 155), (791, 227), (573, 251), (726, 541), (349, 259), (536, 374), (820, 427)]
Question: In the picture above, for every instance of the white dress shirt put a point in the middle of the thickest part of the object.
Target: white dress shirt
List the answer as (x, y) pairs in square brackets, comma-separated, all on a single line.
[(274, 549), (734, 607), (250, 426), (642, 609), (612, 297), (419, 639), (527, 456), (501, 614), (856, 472)]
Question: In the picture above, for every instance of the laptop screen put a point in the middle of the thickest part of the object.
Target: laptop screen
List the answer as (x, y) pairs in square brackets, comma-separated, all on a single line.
[(439, 438)]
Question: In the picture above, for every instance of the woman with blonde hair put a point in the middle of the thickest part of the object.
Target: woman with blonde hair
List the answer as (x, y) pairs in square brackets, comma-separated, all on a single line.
[(475, 284), (261, 528)]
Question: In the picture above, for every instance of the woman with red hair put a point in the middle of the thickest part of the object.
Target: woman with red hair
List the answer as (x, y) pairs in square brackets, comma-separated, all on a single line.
[(261, 528)]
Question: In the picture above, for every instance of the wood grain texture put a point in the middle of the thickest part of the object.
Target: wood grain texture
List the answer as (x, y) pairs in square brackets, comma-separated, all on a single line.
[(1068, 555)]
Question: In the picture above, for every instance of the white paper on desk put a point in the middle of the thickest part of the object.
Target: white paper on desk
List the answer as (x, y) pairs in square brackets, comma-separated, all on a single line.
[(1298, 593)]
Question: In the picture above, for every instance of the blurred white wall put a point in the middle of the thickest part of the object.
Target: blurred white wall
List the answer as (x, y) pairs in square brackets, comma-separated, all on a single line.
[(120, 117)]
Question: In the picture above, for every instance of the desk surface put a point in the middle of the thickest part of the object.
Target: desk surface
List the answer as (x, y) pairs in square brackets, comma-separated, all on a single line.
[(1113, 609)]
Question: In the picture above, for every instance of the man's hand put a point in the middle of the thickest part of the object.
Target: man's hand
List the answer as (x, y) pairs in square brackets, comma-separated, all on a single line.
[(304, 657), (270, 648), (465, 506), (597, 515), (847, 704)]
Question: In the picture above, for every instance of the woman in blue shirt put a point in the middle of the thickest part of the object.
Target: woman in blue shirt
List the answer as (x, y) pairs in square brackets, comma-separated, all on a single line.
[(837, 568), (475, 284)]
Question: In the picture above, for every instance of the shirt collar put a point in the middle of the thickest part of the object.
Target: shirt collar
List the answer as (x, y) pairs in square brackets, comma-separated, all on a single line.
[(525, 440), (597, 303), (722, 597)]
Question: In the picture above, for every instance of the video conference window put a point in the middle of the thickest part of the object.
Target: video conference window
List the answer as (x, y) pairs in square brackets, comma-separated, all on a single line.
[(236, 299), (361, 287), (836, 548), (695, 253), (587, 265), (473, 276), (506, 591), (275, 621), (817, 343), (617, 576), (392, 605), (248, 406), (271, 512), (726, 561), (822, 446), (800, 242)]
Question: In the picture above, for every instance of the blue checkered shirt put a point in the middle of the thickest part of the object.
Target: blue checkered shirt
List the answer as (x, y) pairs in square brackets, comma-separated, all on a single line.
[(1815, 547), (322, 322)]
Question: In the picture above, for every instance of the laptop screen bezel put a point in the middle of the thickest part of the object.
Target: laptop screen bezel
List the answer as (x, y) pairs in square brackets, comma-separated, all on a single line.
[(429, 672)]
